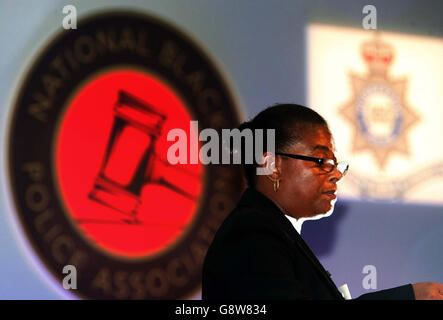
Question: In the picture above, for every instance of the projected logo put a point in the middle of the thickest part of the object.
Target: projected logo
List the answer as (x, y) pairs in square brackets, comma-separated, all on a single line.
[(89, 172), (378, 109), (382, 101)]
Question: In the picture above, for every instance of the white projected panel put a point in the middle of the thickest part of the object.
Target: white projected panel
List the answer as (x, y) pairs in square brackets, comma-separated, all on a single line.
[(382, 94)]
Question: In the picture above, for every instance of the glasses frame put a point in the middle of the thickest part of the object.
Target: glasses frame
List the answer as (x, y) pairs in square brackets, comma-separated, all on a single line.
[(319, 161)]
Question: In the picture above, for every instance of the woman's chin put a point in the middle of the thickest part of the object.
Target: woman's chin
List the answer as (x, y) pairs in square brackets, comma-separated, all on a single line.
[(324, 212)]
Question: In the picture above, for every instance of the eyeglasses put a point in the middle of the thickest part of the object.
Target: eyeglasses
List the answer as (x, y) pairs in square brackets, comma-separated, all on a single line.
[(327, 165)]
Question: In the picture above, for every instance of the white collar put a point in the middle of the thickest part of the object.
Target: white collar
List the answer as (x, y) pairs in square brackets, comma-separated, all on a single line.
[(296, 223)]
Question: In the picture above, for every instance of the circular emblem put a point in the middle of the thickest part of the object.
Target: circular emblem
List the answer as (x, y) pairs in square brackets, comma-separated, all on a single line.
[(378, 112), (88, 157)]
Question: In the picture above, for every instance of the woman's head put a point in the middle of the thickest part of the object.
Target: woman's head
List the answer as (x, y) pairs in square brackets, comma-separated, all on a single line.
[(305, 189), (290, 122)]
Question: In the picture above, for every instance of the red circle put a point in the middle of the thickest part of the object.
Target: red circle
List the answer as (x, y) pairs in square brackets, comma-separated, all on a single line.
[(163, 213)]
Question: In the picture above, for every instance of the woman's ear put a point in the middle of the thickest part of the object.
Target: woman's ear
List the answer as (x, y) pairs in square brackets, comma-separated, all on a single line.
[(276, 174), (269, 166)]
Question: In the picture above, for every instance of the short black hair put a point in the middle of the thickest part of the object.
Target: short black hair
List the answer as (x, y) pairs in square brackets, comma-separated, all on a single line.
[(290, 122)]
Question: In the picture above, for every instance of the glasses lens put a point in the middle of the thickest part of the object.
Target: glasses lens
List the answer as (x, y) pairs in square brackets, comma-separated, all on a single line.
[(328, 165), (343, 167)]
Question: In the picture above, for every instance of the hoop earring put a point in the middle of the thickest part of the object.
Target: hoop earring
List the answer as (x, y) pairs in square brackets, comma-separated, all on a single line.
[(276, 185)]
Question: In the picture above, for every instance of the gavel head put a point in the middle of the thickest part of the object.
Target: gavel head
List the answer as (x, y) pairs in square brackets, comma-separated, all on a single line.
[(136, 127)]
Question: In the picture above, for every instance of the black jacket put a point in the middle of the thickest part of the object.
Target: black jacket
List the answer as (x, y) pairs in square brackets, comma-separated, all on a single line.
[(257, 254)]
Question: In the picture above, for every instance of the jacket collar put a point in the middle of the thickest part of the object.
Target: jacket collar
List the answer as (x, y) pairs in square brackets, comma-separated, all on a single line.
[(262, 204)]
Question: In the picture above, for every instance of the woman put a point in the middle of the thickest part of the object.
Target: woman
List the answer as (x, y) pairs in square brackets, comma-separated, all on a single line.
[(258, 252)]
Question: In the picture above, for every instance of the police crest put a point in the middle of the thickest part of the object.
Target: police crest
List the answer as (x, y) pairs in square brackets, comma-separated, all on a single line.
[(381, 93), (378, 110)]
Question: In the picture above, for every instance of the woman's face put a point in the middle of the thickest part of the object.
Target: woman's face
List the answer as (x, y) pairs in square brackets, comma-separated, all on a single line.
[(305, 189)]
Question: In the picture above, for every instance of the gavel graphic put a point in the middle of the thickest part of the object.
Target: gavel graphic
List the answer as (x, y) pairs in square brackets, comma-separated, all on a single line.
[(135, 130)]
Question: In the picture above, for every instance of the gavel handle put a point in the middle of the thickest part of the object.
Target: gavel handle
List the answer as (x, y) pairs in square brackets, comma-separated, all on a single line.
[(169, 185), (166, 163)]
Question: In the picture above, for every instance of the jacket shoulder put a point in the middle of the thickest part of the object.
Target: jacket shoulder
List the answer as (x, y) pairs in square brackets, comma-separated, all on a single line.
[(245, 221)]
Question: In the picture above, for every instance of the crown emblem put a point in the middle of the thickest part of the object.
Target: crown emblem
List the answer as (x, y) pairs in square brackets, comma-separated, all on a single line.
[(378, 55)]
